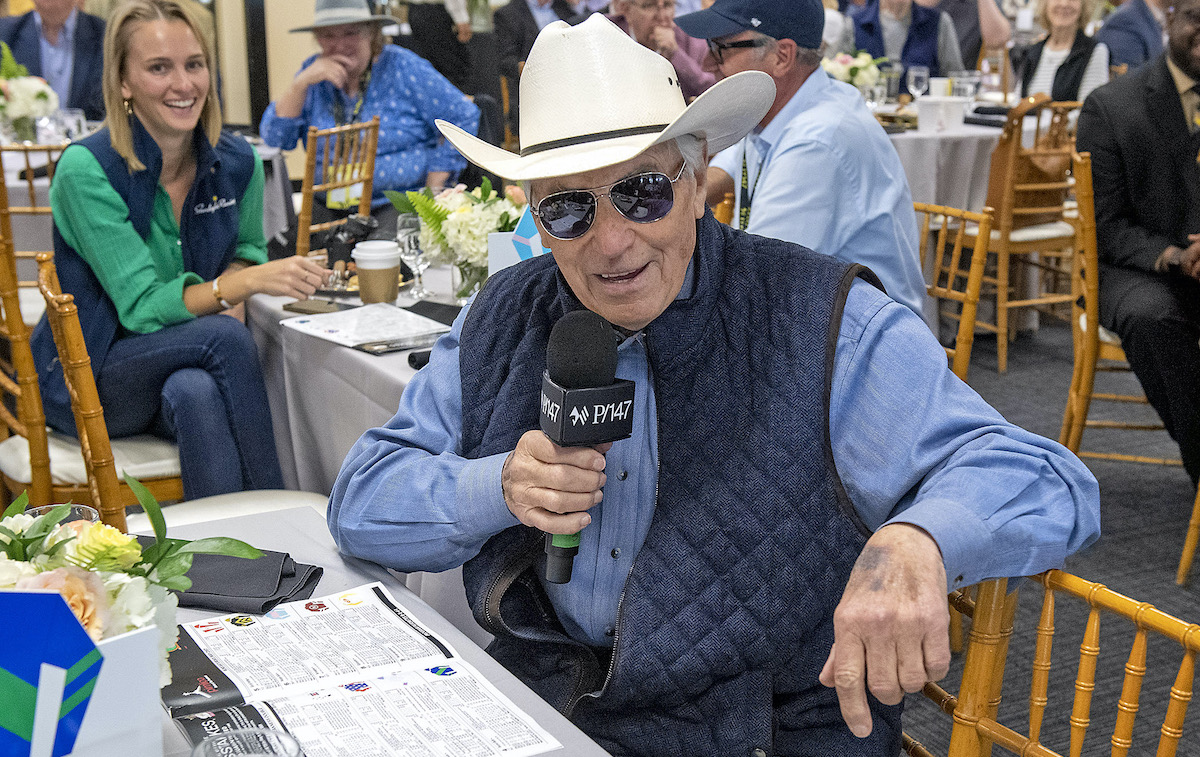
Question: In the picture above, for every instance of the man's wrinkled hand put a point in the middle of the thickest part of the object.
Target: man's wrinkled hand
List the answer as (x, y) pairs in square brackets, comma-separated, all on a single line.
[(891, 627), (551, 487)]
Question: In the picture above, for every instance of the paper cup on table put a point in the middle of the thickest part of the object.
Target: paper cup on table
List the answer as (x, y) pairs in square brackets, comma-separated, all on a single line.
[(378, 264), (936, 114), (939, 86)]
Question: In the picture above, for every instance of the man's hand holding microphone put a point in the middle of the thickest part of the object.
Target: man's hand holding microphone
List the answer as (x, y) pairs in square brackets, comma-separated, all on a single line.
[(557, 473)]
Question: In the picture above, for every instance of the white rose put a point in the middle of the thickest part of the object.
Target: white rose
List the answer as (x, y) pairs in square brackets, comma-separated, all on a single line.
[(12, 571)]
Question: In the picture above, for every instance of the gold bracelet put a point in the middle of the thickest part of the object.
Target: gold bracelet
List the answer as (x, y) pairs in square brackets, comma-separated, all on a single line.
[(217, 294)]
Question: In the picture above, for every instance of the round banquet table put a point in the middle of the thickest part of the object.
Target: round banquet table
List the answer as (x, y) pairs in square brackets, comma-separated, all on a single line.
[(948, 167)]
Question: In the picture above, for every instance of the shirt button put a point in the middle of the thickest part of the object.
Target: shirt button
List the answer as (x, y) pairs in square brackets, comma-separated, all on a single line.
[(611, 632), (616, 553), (623, 475)]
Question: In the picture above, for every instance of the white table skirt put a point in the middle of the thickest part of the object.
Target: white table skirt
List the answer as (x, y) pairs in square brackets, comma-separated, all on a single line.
[(949, 167)]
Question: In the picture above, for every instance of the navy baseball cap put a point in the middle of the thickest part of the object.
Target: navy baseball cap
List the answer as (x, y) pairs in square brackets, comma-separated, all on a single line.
[(800, 20)]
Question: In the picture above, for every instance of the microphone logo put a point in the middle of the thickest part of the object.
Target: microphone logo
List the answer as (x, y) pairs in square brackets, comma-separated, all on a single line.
[(579, 415)]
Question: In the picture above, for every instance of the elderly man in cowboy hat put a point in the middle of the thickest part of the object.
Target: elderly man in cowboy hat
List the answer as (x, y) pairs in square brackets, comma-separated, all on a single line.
[(804, 479), (357, 76)]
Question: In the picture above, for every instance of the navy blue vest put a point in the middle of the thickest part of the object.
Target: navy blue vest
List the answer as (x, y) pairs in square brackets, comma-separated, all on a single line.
[(1070, 73), (208, 235), (726, 618), (921, 46)]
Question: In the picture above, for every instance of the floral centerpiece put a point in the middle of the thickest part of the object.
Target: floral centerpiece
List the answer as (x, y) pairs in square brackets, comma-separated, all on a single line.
[(23, 98), (859, 70), (455, 224), (109, 582)]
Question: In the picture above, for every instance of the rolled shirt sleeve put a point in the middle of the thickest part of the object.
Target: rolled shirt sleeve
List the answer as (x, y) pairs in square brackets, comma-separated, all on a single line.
[(999, 500)]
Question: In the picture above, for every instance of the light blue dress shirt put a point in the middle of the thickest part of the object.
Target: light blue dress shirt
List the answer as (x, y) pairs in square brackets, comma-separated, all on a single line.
[(911, 442), (823, 174), (408, 95), (543, 15), (58, 59)]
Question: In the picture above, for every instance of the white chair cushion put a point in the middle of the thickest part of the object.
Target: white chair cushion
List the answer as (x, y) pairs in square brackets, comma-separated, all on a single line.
[(228, 506), (142, 456), (1052, 230), (32, 305), (1105, 335)]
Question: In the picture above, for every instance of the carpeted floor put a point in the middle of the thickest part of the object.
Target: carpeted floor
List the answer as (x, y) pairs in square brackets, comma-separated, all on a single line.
[(1144, 514)]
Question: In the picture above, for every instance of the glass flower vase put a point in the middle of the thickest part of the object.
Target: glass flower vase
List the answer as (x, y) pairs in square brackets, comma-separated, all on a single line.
[(23, 129), (467, 278)]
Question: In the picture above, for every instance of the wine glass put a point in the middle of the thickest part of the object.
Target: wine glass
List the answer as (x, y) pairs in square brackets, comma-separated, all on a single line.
[(918, 80), (250, 742), (408, 232)]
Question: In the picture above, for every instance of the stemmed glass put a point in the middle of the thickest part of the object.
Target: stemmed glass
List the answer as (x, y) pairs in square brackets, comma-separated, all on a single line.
[(918, 80), (408, 229)]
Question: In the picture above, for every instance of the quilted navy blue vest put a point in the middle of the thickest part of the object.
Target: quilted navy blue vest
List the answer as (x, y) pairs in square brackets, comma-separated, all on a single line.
[(921, 46), (208, 235), (726, 619)]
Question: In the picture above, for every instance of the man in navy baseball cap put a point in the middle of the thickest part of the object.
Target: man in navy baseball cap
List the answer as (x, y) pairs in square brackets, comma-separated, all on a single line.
[(800, 20), (819, 170)]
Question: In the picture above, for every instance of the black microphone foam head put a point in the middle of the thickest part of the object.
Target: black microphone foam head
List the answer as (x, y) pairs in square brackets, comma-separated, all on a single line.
[(582, 352)]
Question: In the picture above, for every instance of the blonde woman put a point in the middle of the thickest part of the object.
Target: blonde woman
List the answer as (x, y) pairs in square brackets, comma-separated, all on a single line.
[(1067, 64), (157, 229)]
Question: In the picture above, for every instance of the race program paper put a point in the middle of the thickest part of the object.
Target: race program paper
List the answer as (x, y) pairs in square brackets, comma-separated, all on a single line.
[(351, 673)]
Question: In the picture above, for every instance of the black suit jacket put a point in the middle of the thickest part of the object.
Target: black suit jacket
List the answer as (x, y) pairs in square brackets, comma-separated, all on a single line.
[(515, 32), (21, 35), (1144, 170)]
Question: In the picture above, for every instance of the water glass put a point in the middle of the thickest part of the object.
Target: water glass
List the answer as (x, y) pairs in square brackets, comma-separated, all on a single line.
[(250, 742), (408, 229), (964, 84), (83, 513), (918, 80), (72, 123)]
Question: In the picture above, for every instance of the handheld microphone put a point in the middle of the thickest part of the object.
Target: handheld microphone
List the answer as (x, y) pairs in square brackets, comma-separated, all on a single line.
[(583, 404)]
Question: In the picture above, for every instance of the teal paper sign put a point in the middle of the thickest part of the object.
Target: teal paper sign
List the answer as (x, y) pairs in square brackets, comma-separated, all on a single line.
[(37, 628), (526, 237)]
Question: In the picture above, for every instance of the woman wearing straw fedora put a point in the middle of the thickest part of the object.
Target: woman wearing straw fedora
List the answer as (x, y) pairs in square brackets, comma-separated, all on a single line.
[(158, 229), (776, 470), (357, 76)]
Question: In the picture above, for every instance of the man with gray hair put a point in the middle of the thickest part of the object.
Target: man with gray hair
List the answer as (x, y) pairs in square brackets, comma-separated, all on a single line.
[(803, 476), (818, 170)]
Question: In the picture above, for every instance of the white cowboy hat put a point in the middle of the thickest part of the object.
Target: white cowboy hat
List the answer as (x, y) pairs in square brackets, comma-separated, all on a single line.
[(339, 12), (591, 97)]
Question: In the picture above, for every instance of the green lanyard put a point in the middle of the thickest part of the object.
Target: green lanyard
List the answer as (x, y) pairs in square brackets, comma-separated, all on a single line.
[(339, 110), (747, 192)]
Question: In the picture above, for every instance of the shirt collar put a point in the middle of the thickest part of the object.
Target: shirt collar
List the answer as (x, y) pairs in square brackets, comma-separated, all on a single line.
[(810, 91), (1183, 82), (66, 35)]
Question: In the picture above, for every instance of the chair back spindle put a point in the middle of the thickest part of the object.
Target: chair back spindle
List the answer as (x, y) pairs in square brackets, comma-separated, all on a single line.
[(347, 159)]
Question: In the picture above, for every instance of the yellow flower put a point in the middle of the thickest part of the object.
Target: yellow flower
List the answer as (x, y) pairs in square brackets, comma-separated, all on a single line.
[(102, 547)]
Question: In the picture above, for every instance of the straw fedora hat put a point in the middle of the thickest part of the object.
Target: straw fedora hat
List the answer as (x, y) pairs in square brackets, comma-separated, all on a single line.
[(591, 97), (338, 12)]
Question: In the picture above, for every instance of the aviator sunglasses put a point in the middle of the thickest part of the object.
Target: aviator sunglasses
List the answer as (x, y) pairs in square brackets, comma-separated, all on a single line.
[(642, 198)]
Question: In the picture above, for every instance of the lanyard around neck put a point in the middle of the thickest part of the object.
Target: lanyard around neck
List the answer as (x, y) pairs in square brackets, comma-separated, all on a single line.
[(747, 193), (339, 110)]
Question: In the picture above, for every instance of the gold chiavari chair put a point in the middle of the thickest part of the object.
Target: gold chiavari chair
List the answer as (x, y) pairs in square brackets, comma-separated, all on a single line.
[(347, 162), (723, 212), (1028, 186), (104, 491), (33, 166), (942, 256), (1097, 349), (974, 708)]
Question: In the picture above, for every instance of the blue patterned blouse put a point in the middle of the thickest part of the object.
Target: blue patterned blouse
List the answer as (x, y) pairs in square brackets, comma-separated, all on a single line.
[(407, 94)]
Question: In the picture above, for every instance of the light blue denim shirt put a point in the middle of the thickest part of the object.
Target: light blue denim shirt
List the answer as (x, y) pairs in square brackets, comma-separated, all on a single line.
[(58, 59), (911, 442), (823, 174)]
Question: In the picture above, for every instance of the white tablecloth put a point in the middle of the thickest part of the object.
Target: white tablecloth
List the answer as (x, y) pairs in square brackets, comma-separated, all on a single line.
[(949, 167)]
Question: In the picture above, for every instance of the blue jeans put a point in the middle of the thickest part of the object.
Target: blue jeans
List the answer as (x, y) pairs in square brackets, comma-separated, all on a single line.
[(198, 384)]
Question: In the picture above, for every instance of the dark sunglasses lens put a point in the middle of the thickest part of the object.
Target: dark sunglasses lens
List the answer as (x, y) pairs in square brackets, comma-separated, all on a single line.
[(568, 215), (644, 198)]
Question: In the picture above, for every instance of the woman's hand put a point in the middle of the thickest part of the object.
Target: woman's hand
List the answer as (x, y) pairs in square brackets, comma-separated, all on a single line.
[(296, 277), (331, 68)]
